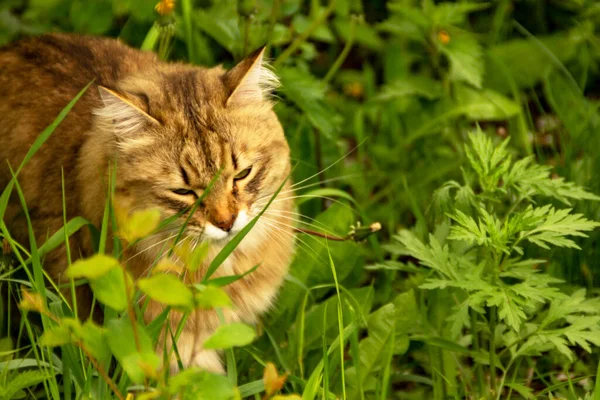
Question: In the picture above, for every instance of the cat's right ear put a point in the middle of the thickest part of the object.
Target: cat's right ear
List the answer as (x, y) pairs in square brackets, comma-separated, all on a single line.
[(122, 114)]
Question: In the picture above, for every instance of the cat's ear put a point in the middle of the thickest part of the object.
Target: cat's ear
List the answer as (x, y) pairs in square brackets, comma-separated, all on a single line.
[(122, 114), (250, 80)]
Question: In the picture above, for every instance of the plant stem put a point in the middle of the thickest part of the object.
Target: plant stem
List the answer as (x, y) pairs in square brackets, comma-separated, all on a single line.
[(319, 157), (319, 234), (101, 371), (493, 320), (273, 20), (344, 54), (302, 38), (476, 346), (504, 377)]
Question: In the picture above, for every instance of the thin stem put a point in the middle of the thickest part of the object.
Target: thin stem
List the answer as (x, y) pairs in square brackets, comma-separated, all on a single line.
[(273, 20), (319, 156), (246, 33), (504, 377), (101, 371), (476, 346), (492, 322), (345, 51), (302, 38), (319, 234)]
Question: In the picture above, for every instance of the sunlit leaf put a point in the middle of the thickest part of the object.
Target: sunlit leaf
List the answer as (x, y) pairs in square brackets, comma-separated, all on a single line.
[(231, 335)]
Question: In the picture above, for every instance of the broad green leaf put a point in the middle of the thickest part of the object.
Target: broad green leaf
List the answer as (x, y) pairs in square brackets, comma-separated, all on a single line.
[(220, 22), (167, 289), (527, 61), (308, 94), (122, 343), (57, 336), (209, 296), (93, 267), (195, 384), (139, 224), (578, 114), (91, 17), (94, 340), (486, 104), (381, 327), (21, 381), (110, 289), (465, 56), (231, 335), (421, 86)]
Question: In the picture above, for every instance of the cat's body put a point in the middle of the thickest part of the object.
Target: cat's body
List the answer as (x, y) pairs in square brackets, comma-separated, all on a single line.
[(170, 128)]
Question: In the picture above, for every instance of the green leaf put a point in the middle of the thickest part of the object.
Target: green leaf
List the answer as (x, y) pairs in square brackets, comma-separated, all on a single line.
[(465, 56), (139, 224), (57, 336), (528, 61), (110, 289), (22, 381), (381, 327), (93, 267), (556, 226), (167, 289), (447, 14), (421, 86), (231, 335), (578, 114), (220, 22), (486, 104), (91, 17), (94, 340), (195, 384), (530, 179), (122, 343), (523, 390), (210, 296), (308, 93)]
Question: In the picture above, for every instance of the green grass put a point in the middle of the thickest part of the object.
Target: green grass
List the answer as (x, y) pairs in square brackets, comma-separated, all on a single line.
[(377, 100)]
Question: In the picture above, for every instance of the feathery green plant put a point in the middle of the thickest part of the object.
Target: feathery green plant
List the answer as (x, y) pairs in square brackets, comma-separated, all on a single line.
[(503, 298)]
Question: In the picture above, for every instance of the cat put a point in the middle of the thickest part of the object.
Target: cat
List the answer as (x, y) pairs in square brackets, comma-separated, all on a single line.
[(169, 127)]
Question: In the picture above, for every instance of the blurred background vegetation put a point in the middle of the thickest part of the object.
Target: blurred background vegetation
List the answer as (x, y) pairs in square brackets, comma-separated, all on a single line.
[(391, 87)]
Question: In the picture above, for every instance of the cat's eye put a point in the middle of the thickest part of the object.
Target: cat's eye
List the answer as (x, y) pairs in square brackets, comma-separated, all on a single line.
[(183, 192), (244, 173)]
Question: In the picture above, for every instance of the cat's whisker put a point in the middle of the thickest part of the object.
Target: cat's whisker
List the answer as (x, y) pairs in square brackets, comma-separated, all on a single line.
[(302, 242), (300, 215), (277, 200), (150, 247), (332, 165), (282, 226), (299, 221), (295, 189)]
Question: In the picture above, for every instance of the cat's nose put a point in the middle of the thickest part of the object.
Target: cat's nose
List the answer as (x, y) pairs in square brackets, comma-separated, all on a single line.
[(225, 224)]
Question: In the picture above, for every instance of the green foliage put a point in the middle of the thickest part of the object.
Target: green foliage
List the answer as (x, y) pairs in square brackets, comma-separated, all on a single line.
[(526, 313), (390, 88)]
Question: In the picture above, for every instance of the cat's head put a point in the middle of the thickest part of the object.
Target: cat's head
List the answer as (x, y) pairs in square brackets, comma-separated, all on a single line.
[(178, 128)]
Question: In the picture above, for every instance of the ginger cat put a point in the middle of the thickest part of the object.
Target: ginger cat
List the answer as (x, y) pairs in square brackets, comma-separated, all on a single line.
[(169, 127)]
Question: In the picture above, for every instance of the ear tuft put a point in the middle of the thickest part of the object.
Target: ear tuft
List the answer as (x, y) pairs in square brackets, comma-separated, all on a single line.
[(120, 115), (251, 80)]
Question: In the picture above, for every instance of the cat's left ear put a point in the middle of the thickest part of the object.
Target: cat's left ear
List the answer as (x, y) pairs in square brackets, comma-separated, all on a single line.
[(126, 114), (250, 80)]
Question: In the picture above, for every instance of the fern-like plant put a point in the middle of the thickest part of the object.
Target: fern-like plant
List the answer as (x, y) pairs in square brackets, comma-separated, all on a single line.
[(504, 300)]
